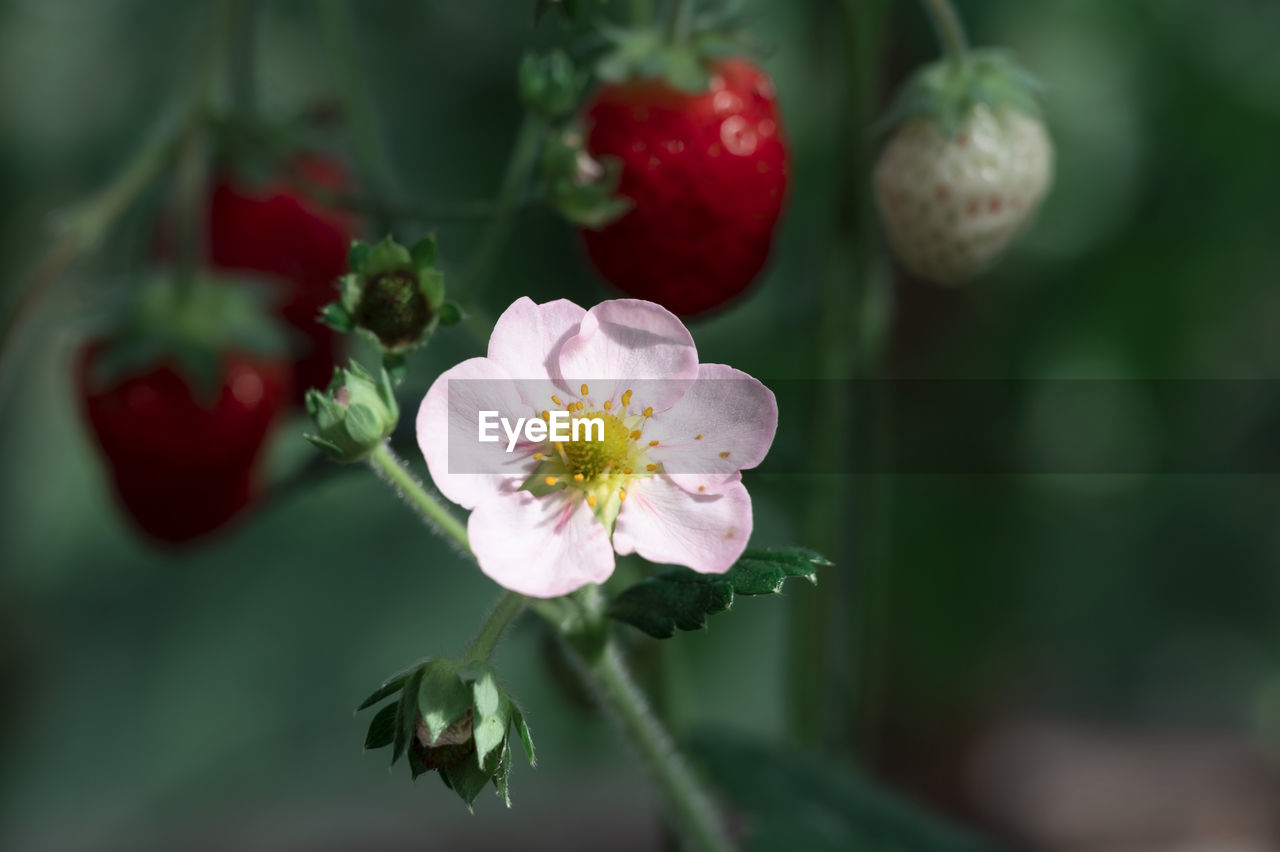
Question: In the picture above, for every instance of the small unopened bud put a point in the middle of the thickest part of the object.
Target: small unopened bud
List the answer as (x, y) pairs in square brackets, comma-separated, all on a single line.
[(356, 414)]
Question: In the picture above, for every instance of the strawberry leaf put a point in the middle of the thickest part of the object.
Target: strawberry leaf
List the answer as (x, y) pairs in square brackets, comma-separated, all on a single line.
[(679, 598)]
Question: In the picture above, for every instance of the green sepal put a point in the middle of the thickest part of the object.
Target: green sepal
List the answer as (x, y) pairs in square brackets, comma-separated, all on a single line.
[(423, 253), (646, 53), (681, 599), (467, 779), (946, 92), (382, 728), (396, 366), (526, 738), (491, 716), (442, 697), (387, 256), (417, 766), (449, 314), (502, 775), (358, 256), (583, 189), (432, 283), (549, 84), (337, 317), (406, 714), (388, 689)]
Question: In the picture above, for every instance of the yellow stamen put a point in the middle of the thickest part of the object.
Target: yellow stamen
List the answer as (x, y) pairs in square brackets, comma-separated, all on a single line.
[(627, 471), (556, 400), (651, 467), (591, 500), (635, 436), (626, 398), (550, 480), (653, 443), (622, 494), (585, 391), (538, 456), (725, 454), (702, 488), (608, 404), (577, 477), (648, 412), (697, 437), (546, 415)]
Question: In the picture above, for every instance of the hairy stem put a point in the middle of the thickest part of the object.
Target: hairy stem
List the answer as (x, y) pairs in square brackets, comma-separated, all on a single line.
[(690, 806), (950, 29), (392, 470)]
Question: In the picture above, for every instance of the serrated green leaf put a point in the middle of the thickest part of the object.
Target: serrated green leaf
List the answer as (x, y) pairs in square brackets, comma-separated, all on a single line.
[(492, 716), (406, 714), (442, 696), (467, 779), (792, 800), (526, 738), (681, 599), (382, 728)]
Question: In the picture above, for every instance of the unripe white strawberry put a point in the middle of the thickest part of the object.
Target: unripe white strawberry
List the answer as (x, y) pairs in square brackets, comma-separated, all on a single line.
[(965, 168)]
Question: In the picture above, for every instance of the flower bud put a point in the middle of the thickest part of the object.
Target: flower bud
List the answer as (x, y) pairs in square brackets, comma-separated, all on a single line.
[(548, 84), (356, 414)]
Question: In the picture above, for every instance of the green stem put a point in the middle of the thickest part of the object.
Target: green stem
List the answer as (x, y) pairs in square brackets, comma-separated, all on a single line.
[(520, 165), (439, 518), (370, 155), (499, 618), (950, 29), (689, 804)]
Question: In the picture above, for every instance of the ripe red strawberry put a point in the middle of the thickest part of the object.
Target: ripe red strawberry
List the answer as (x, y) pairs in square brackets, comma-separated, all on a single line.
[(183, 464), (276, 229), (707, 174), (966, 167)]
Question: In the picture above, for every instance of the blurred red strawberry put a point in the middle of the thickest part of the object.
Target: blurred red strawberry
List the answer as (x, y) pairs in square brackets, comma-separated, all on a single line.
[(276, 229), (707, 174), (182, 464)]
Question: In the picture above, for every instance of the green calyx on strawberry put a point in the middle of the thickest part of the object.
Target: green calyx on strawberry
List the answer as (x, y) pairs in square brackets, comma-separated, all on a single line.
[(965, 167), (181, 397), (393, 296), (191, 328), (355, 414)]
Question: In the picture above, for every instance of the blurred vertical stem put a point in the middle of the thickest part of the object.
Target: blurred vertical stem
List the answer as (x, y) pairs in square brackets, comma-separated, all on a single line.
[(679, 19), (515, 179), (950, 29), (691, 807), (89, 221), (371, 158), (852, 328)]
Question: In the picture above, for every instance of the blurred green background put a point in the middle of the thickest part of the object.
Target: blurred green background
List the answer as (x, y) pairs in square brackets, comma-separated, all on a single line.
[(981, 638)]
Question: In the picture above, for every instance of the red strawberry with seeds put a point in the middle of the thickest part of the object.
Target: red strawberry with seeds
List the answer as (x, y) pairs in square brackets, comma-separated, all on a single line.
[(706, 173)]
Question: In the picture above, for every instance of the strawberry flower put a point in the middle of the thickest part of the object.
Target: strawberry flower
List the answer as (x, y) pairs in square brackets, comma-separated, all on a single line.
[(663, 480)]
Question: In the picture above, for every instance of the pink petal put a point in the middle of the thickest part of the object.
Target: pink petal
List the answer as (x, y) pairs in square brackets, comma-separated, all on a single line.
[(527, 338), (666, 524), (736, 416), (543, 547), (448, 426), (627, 341)]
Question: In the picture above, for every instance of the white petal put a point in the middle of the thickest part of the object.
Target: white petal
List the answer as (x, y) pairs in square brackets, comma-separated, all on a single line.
[(543, 547), (526, 339), (736, 416), (626, 341), (465, 469), (666, 524)]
